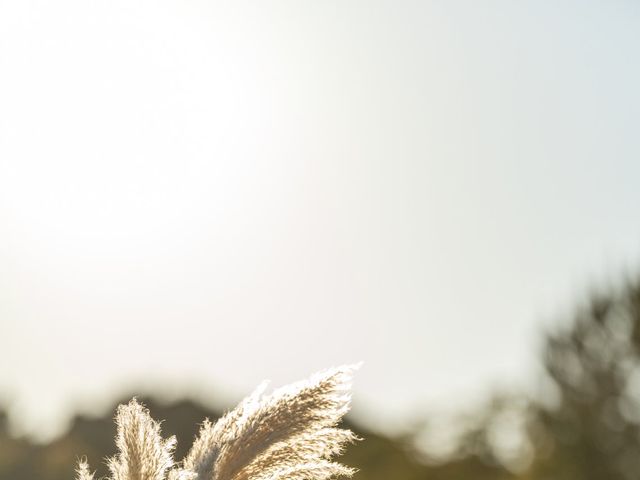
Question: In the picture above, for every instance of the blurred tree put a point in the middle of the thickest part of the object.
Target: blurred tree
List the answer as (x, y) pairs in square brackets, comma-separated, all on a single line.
[(584, 425), (587, 426)]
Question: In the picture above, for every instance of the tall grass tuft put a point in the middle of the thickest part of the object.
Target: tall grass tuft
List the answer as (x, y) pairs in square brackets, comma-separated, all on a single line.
[(291, 433)]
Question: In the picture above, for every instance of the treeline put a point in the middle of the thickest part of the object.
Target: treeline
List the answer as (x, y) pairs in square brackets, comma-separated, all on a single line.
[(584, 423)]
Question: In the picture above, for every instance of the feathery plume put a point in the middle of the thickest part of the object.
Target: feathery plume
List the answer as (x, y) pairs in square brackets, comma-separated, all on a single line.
[(204, 453), (251, 445), (289, 434), (82, 470), (143, 454)]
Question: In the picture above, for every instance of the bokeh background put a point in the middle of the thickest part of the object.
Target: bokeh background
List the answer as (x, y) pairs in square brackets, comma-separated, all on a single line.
[(197, 195)]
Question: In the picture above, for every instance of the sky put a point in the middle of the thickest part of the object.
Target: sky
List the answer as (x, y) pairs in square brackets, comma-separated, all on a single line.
[(198, 195)]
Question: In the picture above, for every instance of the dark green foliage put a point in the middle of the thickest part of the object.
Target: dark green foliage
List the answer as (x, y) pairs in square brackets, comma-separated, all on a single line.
[(593, 430)]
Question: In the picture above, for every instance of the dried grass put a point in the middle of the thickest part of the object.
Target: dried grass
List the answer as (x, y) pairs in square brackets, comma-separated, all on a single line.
[(289, 434)]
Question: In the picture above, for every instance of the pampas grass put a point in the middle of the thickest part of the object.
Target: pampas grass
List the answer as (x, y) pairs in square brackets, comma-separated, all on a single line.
[(82, 470), (289, 434)]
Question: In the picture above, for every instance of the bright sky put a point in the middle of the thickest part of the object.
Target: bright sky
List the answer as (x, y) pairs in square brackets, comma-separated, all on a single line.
[(200, 194)]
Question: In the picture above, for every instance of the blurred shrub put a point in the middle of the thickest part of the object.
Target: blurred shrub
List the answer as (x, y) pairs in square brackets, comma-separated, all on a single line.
[(583, 425)]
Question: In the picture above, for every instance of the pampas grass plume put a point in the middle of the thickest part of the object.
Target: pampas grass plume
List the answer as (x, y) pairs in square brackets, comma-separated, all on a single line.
[(289, 434)]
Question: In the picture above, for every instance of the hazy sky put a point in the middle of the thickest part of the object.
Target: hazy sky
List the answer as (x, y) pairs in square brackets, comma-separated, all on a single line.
[(203, 194)]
